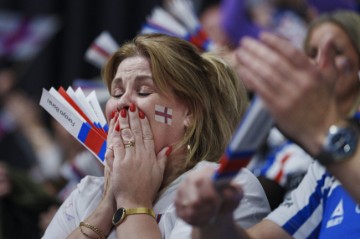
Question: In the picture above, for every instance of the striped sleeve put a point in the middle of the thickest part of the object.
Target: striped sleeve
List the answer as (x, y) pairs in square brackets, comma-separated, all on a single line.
[(301, 213)]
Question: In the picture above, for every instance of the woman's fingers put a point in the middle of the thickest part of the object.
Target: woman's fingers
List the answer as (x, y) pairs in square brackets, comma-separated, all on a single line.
[(109, 154), (127, 139), (135, 125), (163, 156), (147, 135)]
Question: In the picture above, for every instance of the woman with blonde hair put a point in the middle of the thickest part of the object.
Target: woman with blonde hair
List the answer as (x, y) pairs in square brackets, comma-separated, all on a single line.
[(171, 110)]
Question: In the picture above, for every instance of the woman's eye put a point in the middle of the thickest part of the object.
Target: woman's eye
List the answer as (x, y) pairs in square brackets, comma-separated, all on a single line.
[(117, 94), (338, 51), (143, 93)]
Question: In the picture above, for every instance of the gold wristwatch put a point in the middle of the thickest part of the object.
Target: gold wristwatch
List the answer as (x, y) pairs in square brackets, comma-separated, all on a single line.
[(122, 213)]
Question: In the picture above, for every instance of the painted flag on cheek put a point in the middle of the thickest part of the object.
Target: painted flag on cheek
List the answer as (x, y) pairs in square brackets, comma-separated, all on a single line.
[(163, 114)]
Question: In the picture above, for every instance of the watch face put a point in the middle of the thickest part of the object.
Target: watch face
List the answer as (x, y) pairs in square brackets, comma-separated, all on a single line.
[(119, 216), (342, 142)]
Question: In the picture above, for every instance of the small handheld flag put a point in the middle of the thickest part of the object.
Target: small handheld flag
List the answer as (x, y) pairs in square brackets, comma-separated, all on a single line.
[(79, 117), (184, 11), (22, 37), (250, 134), (179, 20), (101, 49)]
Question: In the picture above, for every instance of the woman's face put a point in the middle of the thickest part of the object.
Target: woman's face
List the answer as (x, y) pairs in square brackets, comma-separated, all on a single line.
[(346, 60), (133, 83)]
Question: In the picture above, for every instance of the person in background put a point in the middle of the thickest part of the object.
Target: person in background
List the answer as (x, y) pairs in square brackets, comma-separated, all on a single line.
[(240, 18), (172, 110), (305, 107), (22, 197), (210, 19), (15, 148), (283, 168)]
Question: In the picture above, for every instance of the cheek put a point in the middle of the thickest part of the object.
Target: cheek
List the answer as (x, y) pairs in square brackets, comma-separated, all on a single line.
[(348, 75), (109, 108), (164, 134), (346, 66)]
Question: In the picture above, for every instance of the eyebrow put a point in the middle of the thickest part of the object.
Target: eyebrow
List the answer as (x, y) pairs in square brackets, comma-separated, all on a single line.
[(137, 78)]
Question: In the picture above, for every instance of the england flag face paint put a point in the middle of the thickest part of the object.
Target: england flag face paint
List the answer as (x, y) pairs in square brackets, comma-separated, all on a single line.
[(163, 114)]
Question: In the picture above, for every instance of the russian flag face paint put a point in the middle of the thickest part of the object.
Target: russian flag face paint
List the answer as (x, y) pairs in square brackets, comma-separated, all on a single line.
[(163, 114)]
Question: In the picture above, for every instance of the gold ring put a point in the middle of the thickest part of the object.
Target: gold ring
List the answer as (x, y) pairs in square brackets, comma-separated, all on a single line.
[(148, 138), (129, 144)]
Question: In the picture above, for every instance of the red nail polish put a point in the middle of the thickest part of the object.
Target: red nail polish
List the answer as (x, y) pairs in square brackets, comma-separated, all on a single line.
[(123, 113), (117, 127), (112, 114), (168, 151), (141, 114), (132, 107)]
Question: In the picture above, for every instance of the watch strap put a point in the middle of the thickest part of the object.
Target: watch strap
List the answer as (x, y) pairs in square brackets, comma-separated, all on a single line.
[(140, 210), (325, 158)]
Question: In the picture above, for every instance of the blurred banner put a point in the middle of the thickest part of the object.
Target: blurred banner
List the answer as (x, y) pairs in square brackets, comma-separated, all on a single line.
[(22, 37)]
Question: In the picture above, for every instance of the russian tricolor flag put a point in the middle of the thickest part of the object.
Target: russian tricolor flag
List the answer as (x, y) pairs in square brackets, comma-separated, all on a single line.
[(78, 114)]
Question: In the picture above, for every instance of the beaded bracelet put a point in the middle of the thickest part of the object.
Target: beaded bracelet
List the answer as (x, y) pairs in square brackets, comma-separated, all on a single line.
[(101, 234)]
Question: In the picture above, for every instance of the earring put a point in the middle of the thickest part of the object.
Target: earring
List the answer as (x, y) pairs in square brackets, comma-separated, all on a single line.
[(188, 147)]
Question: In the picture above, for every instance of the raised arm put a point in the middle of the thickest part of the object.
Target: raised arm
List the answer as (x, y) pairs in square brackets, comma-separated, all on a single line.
[(210, 211), (300, 96)]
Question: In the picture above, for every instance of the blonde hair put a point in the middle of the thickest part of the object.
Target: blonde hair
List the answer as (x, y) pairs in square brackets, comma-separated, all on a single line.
[(210, 88)]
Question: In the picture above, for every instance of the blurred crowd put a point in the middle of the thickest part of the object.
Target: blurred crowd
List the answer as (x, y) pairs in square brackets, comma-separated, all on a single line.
[(41, 163)]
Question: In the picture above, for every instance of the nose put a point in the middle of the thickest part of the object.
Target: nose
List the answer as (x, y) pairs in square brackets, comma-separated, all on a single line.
[(326, 51), (319, 56), (124, 101)]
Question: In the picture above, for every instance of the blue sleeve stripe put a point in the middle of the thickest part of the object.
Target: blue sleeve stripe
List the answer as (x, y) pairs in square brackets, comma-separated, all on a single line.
[(315, 233), (304, 214)]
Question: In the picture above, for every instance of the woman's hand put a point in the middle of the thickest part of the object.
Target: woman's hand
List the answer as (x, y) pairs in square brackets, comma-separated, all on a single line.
[(108, 195), (137, 172), (298, 93)]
